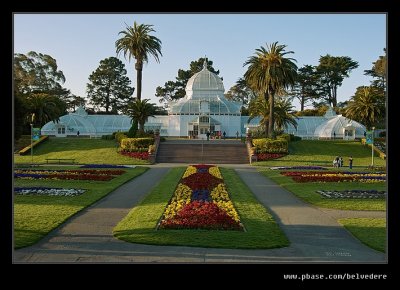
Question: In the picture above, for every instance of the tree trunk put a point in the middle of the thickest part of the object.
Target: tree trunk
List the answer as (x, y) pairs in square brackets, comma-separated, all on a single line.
[(271, 116), (141, 127), (302, 104), (334, 98), (139, 68)]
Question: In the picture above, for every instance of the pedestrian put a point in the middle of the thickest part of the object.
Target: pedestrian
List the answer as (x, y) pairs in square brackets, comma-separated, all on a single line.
[(208, 135), (237, 134), (351, 162), (224, 134), (77, 133), (340, 161), (335, 162), (334, 135)]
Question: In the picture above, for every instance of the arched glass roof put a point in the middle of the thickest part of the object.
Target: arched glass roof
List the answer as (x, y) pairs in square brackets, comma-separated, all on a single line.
[(336, 125), (214, 105), (89, 124)]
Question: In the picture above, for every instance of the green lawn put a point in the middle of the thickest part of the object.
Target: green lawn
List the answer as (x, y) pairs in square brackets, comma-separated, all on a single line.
[(370, 231), (316, 152), (307, 192), (36, 216), (262, 232), (84, 150)]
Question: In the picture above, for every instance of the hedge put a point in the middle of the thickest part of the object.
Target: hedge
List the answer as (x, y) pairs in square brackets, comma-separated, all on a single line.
[(133, 144), (266, 145)]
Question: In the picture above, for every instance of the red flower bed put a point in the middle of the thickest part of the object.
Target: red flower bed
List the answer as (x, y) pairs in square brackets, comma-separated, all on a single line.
[(137, 155), (201, 181), (201, 215), (268, 156)]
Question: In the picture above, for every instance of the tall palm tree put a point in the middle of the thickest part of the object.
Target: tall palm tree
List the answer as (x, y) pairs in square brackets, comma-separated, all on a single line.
[(365, 106), (137, 42), (141, 110), (270, 71)]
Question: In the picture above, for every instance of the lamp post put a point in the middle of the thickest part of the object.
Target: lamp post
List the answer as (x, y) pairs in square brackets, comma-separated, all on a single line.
[(373, 128), (31, 143)]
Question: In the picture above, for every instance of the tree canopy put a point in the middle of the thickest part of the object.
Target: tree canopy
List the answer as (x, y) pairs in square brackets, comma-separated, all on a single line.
[(269, 72), (108, 86), (137, 42), (331, 72), (39, 94)]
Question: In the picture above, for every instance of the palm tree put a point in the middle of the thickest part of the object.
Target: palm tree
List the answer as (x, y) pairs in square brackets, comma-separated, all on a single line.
[(283, 114), (270, 71), (365, 106), (138, 43), (259, 107), (43, 108), (141, 110)]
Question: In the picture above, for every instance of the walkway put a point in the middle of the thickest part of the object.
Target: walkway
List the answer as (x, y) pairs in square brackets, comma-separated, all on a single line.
[(87, 237)]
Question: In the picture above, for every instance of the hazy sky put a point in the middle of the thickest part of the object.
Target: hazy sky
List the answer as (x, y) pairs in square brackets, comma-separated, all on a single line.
[(79, 41)]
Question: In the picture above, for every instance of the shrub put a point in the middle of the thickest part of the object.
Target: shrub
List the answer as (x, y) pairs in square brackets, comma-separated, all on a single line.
[(266, 145), (133, 130), (119, 136), (133, 144), (284, 137)]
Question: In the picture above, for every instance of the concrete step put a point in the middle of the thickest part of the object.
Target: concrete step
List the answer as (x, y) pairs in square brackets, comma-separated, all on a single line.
[(221, 153)]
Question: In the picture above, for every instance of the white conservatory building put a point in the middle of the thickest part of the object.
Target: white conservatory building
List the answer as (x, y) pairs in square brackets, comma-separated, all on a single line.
[(328, 126), (203, 109)]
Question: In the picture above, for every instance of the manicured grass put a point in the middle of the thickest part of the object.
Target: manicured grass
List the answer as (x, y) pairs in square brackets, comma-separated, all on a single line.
[(307, 192), (84, 150), (370, 231), (36, 216), (317, 152), (262, 232)]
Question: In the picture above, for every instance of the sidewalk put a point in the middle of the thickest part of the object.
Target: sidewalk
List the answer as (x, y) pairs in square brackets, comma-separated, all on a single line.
[(87, 237)]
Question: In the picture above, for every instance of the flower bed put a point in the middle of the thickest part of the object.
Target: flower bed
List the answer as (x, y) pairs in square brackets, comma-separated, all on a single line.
[(298, 167), (87, 174), (138, 155), (48, 191), (355, 193), (201, 201), (334, 176), (268, 156)]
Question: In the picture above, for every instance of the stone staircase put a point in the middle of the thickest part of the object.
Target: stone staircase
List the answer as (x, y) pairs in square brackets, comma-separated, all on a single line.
[(201, 151)]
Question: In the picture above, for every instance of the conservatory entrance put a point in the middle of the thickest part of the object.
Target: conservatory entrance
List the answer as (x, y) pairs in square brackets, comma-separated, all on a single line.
[(198, 128)]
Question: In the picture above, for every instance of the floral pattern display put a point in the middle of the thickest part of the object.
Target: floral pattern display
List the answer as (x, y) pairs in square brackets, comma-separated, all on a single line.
[(103, 166), (201, 201), (355, 193), (335, 176), (137, 155), (269, 156), (48, 191), (69, 174)]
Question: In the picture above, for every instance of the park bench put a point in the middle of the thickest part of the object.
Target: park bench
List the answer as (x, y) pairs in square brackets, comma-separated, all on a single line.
[(60, 160)]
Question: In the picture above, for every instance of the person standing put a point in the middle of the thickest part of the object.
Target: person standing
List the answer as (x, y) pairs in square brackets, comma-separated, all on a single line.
[(224, 134), (340, 161), (237, 134), (351, 162), (77, 133)]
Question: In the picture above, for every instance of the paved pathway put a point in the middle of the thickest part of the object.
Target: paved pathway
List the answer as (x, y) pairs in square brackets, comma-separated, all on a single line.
[(87, 237)]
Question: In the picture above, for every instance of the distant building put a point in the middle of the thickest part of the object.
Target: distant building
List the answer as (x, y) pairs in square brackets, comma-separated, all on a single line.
[(203, 109)]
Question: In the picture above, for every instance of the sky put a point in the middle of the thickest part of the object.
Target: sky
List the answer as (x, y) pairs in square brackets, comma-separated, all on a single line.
[(80, 41)]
